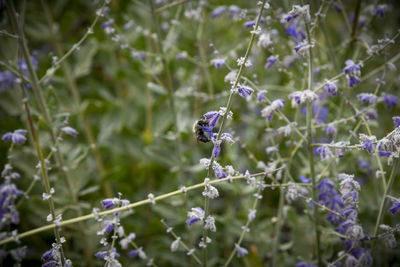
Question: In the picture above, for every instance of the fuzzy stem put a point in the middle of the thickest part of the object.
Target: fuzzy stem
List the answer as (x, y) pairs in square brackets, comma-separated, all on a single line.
[(134, 205), (382, 205), (310, 147)]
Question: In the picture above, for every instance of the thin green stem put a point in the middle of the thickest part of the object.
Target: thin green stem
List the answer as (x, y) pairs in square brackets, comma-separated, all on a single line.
[(383, 201), (171, 93), (310, 147), (134, 205), (224, 117)]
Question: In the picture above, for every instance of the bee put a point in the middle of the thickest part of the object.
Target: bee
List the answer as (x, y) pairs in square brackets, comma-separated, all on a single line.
[(200, 127)]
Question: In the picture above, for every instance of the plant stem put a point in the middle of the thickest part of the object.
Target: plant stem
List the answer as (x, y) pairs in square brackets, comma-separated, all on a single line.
[(169, 85), (382, 206), (136, 204), (228, 108), (310, 147)]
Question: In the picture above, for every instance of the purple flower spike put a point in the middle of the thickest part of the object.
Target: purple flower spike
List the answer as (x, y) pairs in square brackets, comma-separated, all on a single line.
[(385, 153), (395, 207), (18, 137), (70, 131), (353, 73), (365, 97), (331, 88), (101, 254)]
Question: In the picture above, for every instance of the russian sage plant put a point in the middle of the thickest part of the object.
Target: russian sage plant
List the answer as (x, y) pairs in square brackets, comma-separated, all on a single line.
[(199, 133)]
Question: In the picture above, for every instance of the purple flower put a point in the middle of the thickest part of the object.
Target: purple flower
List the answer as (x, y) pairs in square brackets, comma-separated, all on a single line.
[(365, 97), (47, 255), (70, 131), (396, 121), (385, 153), (337, 7), (7, 80), (212, 117), (192, 221), (304, 179), (292, 30), (380, 11), (109, 226), (219, 173), (390, 101), (271, 61), (241, 252), (353, 73), (330, 130), (331, 88), (132, 253), (245, 91), (18, 137), (368, 146), (395, 207), (233, 10), (217, 12), (299, 46), (50, 264), (101, 254), (250, 24), (216, 150), (261, 94), (108, 203), (218, 62)]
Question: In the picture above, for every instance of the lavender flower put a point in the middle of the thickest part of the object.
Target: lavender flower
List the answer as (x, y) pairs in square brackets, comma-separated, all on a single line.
[(18, 137), (241, 252), (396, 121), (390, 101), (245, 91), (380, 10), (271, 61), (365, 97), (217, 12), (212, 117), (330, 129), (353, 73), (260, 95), (395, 207), (196, 214), (7, 80), (218, 62), (331, 88), (70, 131), (268, 111)]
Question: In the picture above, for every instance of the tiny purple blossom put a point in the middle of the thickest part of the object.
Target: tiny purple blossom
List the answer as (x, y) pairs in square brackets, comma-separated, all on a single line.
[(108, 203), (380, 11), (217, 12), (395, 207), (7, 80), (218, 62), (331, 88), (133, 253), (250, 24), (47, 255), (101, 254), (366, 97), (385, 153), (70, 131), (390, 101), (18, 137), (353, 73), (109, 226), (396, 121), (245, 91), (271, 61), (50, 264), (212, 117), (219, 173), (304, 179), (368, 146), (241, 252), (216, 150), (330, 130), (261, 94), (299, 46), (233, 10)]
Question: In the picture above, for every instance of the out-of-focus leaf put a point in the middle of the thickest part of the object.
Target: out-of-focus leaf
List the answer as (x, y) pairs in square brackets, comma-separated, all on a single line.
[(84, 58)]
